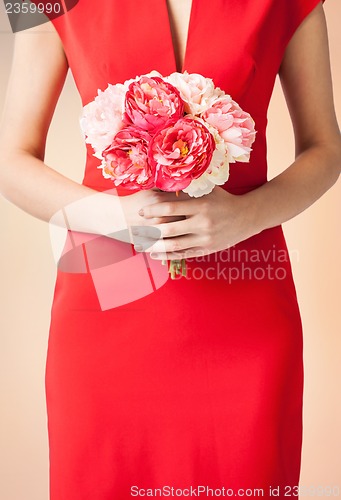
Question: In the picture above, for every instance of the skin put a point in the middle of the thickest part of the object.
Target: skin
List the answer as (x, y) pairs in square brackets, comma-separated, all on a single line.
[(188, 226)]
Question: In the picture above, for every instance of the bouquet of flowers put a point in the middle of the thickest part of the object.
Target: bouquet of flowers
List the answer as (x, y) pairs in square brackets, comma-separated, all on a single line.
[(175, 133)]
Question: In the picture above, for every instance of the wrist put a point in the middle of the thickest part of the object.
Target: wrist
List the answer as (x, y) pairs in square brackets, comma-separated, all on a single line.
[(253, 213)]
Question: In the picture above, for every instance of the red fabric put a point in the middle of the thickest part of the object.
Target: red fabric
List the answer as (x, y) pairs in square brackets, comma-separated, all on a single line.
[(199, 381)]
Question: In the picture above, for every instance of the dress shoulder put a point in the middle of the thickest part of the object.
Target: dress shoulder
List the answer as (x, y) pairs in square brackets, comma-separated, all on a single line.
[(297, 11)]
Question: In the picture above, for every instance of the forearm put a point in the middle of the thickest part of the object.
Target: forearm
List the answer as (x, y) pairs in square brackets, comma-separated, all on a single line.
[(314, 171), (48, 195)]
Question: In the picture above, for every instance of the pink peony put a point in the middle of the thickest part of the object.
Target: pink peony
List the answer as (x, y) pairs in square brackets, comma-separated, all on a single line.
[(126, 159), (198, 92), (180, 152), (151, 102), (234, 125)]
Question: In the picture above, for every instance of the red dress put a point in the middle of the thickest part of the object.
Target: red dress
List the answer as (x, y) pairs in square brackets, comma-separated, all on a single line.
[(198, 381)]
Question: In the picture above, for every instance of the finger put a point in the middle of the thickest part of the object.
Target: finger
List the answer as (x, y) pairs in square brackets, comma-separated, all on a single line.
[(182, 254), (143, 244), (165, 220), (170, 208), (139, 233), (165, 230), (170, 245), (159, 220), (147, 244)]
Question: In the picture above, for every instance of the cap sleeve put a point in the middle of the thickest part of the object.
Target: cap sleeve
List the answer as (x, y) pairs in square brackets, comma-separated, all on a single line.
[(296, 14)]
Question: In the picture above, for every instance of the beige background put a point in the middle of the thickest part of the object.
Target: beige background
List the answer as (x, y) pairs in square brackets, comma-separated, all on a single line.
[(27, 275)]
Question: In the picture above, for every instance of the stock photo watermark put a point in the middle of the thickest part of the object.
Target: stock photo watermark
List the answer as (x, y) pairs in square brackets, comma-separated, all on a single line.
[(235, 263), (25, 14), (207, 491)]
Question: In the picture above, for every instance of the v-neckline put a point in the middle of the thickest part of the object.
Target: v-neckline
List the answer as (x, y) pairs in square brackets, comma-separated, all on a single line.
[(170, 34)]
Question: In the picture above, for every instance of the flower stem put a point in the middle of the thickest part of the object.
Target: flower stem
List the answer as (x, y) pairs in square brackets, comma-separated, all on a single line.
[(177, 266)]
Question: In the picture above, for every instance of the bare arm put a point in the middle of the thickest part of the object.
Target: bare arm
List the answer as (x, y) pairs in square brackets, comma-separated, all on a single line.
[(306, 81), (39, 69)]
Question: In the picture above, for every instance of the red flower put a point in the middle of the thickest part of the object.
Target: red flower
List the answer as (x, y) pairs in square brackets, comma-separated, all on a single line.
[(151, 102), (180, 153), (126, 159)]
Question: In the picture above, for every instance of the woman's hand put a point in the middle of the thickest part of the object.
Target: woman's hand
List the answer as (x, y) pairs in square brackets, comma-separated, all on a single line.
[(210, 223), (133, 203)]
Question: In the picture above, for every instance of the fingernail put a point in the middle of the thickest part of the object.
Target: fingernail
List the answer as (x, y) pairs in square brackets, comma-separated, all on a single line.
[(138, 248), (141, 212)]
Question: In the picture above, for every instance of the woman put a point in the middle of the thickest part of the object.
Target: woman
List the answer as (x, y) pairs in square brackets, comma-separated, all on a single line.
[(199, 382)]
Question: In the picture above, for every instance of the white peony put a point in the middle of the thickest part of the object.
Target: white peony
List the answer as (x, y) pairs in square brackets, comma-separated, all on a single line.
[(102, 118), (198, 92)]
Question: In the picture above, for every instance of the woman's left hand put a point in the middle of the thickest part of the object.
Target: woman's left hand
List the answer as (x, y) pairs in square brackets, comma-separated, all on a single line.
[(210, 223)]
